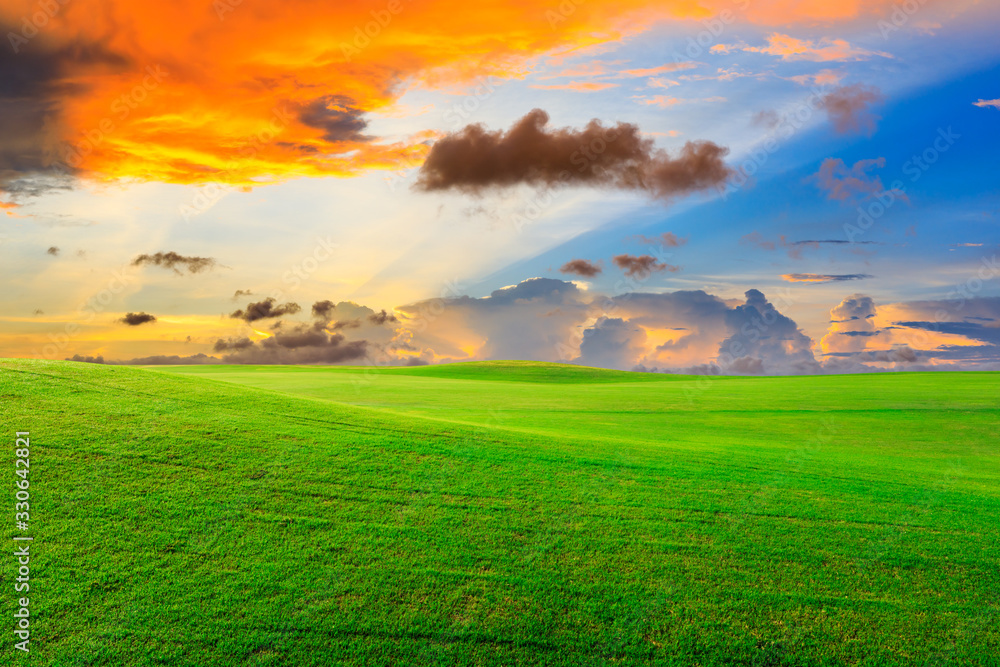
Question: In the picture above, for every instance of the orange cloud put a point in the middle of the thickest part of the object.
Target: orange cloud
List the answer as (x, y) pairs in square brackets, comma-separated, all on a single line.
[(822, 277), (790, 48), (197, 91), (579, 86), (826, 77), (651, 71), (664, 101)]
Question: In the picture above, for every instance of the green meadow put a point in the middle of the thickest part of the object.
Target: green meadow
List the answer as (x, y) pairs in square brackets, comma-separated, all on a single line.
[(503, 513)]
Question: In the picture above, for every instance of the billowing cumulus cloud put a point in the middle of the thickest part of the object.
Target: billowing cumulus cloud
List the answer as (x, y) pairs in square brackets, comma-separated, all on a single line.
[(762, 340), (852, 321), (135, 319), (581, 267), (688, 331), (618, 156), (612, 343), (552, 320), (535, 319), (266, 309), (956, 334), (176, 262), (964, 329)]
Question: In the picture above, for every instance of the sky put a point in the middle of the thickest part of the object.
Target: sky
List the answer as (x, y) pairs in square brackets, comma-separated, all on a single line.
[(689, 186)]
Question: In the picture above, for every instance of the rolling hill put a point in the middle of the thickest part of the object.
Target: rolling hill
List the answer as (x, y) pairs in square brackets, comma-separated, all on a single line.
[(506, 513)]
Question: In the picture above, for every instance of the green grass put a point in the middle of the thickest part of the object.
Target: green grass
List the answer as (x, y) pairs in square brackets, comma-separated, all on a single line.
[(505, 513)]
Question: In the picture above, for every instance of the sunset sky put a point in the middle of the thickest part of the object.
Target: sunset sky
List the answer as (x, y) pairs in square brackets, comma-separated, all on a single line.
[(735, 186)]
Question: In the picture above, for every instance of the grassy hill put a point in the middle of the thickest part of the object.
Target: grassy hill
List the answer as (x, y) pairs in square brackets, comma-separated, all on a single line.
[(563, 516)]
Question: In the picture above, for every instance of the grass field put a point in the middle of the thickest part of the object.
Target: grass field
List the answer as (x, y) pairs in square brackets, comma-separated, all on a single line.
[(505, 513)]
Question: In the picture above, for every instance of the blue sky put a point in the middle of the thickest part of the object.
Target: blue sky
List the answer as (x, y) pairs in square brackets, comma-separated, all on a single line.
[(329, 206)]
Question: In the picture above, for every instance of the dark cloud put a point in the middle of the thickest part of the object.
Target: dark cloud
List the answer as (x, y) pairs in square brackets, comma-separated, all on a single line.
[(323, 309), (850, 108), (169, 360), (240, 293), (227, 344), (302, 344), (381, 318), (823, 277), (36, 77), (618, 156), (263, 310), (337, 116), (581, 267), (641, 265), (135, 319), (53, 250), (350, 314), (172, 260), (87, 359)]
